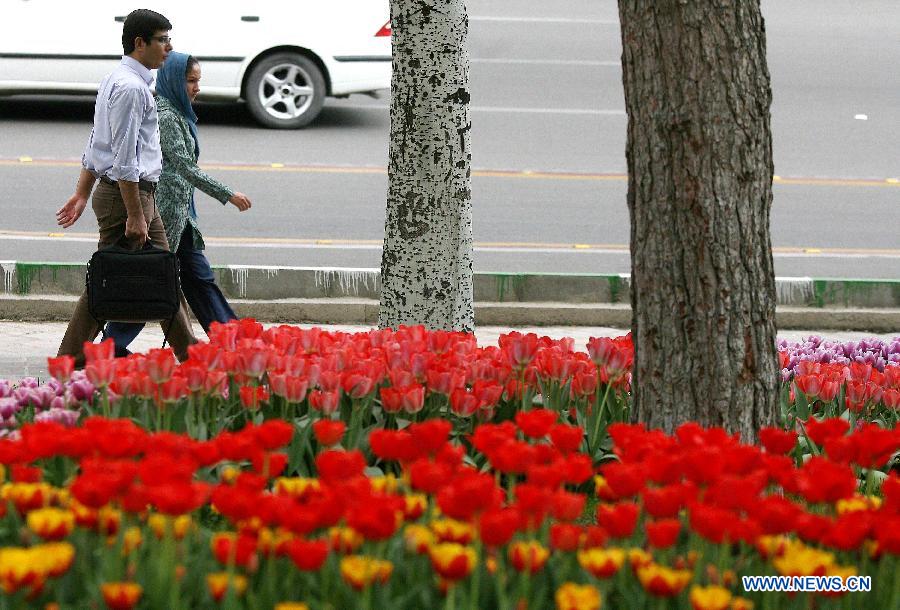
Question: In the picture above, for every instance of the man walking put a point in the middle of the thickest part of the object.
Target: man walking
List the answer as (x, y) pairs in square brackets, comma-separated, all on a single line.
[(124, 153)]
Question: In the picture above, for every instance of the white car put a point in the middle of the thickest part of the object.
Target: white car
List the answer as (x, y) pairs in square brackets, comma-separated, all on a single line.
[(283, 58)]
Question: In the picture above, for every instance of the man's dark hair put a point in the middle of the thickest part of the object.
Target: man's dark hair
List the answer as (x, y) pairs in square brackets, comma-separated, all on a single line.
[(144, 23)]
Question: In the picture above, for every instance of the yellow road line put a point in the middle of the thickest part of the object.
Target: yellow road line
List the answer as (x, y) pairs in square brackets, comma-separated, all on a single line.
[(482, 173), (322, 241)]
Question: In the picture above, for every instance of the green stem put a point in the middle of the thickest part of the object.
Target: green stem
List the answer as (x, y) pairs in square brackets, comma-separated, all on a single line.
[(476, 577), (522, 388), (870, 481), (451, 597), (812, 446), (895, 589), (595, 441)]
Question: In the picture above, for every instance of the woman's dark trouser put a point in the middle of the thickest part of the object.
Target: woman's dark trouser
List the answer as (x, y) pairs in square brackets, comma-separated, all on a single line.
[(200, 290)]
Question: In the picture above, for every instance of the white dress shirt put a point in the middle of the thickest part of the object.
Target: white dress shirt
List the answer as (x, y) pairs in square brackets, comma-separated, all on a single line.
[(124, 143)]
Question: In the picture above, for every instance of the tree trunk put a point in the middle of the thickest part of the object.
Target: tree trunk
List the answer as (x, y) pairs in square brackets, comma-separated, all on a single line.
[(426, 265), (700, 172)]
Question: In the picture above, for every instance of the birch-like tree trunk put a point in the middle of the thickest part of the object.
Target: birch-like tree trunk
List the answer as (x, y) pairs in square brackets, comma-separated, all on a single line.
[(699, 154), (426, 265)]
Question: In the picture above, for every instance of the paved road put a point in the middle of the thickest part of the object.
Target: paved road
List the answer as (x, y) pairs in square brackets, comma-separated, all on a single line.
[(548, 140)]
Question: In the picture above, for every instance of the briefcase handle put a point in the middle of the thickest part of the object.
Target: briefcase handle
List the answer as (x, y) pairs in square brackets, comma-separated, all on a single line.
[(125, 244)]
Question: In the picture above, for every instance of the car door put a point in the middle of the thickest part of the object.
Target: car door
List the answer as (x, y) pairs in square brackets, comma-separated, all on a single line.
[(59, 45), (220, 36)]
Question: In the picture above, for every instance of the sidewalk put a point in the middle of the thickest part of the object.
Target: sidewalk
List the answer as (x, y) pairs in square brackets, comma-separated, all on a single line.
[(24, 346)]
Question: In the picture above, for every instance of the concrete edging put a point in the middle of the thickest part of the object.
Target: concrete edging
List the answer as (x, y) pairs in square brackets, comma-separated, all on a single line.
[(47, 291)]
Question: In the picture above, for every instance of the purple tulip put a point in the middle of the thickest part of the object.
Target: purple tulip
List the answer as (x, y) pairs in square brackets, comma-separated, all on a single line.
[(41, 397), (29, 382), (82, 389), (61, 416), (9, 407), (871, 351)]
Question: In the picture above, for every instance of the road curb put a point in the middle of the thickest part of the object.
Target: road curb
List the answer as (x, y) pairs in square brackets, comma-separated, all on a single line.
[(58, 308), (33, 291)]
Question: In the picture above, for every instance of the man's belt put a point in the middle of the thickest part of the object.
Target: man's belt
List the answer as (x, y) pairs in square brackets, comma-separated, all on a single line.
[(143, 185)]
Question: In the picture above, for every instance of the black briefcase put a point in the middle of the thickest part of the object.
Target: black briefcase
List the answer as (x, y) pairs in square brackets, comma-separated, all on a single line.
[(126, 285)]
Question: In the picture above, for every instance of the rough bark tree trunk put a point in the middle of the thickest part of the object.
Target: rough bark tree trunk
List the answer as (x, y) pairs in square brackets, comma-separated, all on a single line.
[(426, 265), (699, 153)]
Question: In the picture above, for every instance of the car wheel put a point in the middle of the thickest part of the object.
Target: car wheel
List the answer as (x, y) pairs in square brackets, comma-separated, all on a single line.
[(285, 91)]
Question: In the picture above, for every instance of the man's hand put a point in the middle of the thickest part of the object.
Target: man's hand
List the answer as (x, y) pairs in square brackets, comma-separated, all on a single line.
[(136, 229), (135, 223), (240, 201), (71, 211)]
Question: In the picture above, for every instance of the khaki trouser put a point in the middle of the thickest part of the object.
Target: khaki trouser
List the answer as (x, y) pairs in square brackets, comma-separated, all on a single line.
[(111, 215)]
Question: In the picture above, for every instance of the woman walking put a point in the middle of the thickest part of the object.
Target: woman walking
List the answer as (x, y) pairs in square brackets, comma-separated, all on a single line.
[(177, 85)]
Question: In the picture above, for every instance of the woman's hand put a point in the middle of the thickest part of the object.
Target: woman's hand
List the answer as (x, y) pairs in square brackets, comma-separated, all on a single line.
[(240, 201)]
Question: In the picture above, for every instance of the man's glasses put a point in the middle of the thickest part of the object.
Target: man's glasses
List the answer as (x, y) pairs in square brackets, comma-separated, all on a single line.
[(162, 39)]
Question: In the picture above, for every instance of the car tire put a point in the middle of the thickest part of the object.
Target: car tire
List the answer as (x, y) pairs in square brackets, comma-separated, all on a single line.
[(285, 91)]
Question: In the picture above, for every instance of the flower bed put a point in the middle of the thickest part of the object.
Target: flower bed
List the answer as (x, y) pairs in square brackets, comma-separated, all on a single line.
[(416, 469)]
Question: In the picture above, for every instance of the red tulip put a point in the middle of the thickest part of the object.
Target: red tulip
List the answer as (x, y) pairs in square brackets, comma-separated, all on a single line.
[(100, 372), (307, 555), (252, 362), (537, 422), (498, 526), (376, 516), (777, 441), (445, 381), (194, 374), (272, 434), (105, 350), (253, 396), (393, 445), (625, 480), (160, 364), (428, 476), (269, 465), (567, 506), (408, 398), (520, 349), (662, 533), (487, 437), (357, 385), (216, 383), (819, 430), (891, 397), (875, 445), (820, 480), (173, 390), (324, 401), (664, 502), (230, 547), (291, 388), (61, 368), (712, 522), (619, 520), (809, 385), (463, 403), (431, 435), (468, 494), (337, 466), (566, 438), (850, 530), (329, 432), (566, 537)]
